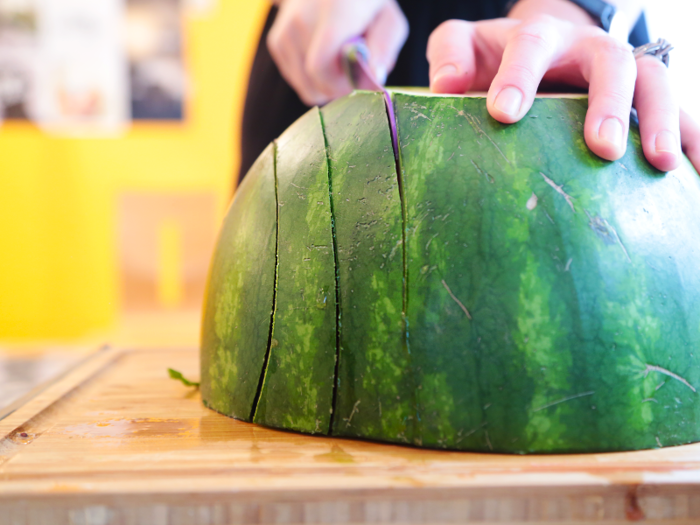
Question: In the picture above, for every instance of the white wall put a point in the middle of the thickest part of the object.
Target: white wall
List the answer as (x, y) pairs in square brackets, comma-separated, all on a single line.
[(678, 21)]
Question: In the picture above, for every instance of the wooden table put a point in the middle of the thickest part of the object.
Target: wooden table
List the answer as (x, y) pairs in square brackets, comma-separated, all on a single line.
[(117, 442)]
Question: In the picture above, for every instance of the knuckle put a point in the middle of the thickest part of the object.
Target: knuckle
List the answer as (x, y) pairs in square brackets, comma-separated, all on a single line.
[(652, 65), (310, 96), (402, 27), (298, 25), (667, 110), (612, 47), (618, 101), (399, 26), (308, 100), (313, 67), (315, 101), (524, 74), (542, 19), (452, 26), (398, 14), (448, 35), (590, 33), (666, 114), (667, 119), (273, 43), (538, 35)]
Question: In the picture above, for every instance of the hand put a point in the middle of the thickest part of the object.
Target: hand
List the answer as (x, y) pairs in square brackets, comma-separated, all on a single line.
[(306, 38), (510, 58)]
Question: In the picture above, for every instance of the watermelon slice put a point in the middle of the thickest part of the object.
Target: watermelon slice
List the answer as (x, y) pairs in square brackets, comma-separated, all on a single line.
[(297, 390), (375, 395), (239, 297)]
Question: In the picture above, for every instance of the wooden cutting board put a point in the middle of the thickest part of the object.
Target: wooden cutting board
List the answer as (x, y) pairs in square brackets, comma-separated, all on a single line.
[(115, 441)]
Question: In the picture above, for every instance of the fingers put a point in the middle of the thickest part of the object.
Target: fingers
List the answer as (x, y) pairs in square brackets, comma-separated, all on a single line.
[(658, 114), (291, 67), (287, 42), (462, 57), (529, 52), (451, 56), (338, 22), (690, 139), (385, 37), (609, 67), (307, 37)]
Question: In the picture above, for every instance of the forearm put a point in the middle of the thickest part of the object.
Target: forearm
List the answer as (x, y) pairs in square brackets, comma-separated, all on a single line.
[(566, 10)]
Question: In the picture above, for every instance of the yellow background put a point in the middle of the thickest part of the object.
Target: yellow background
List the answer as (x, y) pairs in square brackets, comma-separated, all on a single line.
[(58, 196)]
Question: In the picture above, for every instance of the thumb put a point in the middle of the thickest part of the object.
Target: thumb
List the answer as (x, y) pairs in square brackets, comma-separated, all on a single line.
[(385, 37)]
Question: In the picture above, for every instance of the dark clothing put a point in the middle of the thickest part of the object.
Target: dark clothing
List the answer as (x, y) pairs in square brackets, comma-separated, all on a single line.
[(272, 105)]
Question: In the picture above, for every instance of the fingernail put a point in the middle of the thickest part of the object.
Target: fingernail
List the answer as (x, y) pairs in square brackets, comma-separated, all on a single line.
[(448, 70), (666, 142), (509, 101), (611, 131)]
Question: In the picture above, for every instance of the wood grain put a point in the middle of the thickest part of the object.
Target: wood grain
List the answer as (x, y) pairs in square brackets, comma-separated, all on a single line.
[(118, 442)]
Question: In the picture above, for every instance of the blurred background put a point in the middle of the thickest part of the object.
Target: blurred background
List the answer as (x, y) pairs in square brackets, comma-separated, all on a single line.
[(120, 121), (118, 149)]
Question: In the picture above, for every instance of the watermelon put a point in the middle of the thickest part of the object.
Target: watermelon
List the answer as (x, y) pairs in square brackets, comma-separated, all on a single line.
[(497, 288)]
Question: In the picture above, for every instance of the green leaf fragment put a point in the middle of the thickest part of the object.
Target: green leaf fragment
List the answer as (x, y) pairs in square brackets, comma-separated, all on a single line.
[(174, 374)]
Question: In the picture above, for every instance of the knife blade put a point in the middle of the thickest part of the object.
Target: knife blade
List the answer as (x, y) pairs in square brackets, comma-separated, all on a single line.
[(355, 59)]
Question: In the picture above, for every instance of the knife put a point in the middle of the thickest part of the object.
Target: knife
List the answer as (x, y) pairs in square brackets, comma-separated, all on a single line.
[(355, 59)]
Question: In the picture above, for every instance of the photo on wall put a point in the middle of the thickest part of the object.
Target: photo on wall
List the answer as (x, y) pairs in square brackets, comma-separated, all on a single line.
[(18, 58), (155, 56), (81, 86), (80, 66)]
